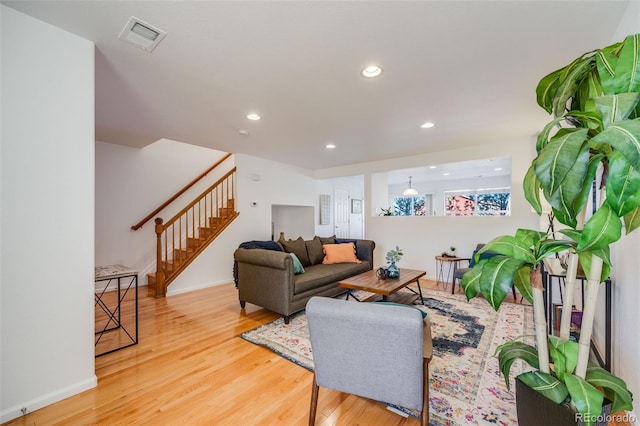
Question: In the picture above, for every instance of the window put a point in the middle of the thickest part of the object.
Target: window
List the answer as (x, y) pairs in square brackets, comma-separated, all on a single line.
[(413, 206), (478, 202)]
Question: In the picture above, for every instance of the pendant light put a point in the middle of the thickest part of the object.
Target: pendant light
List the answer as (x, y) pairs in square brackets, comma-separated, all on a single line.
[(411, 191)]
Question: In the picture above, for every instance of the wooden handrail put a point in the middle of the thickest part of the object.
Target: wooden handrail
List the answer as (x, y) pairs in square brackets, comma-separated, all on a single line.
[(201, 196), (179, 193)]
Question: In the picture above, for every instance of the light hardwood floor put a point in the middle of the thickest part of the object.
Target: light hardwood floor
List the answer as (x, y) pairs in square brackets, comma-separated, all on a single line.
[(190, 368)]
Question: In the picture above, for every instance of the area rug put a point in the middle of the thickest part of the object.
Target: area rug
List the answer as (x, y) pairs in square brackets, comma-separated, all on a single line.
[(465, 386)]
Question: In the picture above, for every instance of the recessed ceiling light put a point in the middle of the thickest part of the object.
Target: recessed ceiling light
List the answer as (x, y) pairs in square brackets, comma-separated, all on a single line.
[(446, 174), (243, 132), (371, 71), (433, 167), (427, 125), (253, 116), (497, 169), (330, 146)]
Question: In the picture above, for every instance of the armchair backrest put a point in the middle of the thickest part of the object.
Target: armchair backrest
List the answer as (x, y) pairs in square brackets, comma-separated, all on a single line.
[(368, 349)]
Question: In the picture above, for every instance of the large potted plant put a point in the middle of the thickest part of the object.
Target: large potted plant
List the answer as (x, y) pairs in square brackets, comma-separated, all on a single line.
[(594, 136)]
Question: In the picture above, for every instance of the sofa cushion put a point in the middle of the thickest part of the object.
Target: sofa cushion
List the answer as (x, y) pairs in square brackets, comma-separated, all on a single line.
[(319, 275), (314, 250), (297, 266), (326, 240), (339, 253), (299, 248)]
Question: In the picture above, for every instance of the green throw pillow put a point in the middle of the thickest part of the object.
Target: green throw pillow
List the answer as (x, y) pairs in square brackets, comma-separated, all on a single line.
[(424, 314), (297, 265)]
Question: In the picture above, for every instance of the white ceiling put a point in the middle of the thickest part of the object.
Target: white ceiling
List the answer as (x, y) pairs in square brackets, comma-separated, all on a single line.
[(469, 66)]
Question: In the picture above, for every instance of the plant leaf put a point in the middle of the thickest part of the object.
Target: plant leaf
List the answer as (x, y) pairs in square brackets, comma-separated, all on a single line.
[(558, 157), (470, 281), (627, 68), (531, 186), (587, 119), (632, 220), (605, 63), (602, 229), (510, 351), (585, 261), (545, 384), (546, 90), (625, 137), (569, 86), (574, 234), (522, 281), (586, 398), (529, 237), (623, 185), (497, 278), (569, 351), (548, 247), (510, 246), (601, 378), (614, 108), (587, 182)]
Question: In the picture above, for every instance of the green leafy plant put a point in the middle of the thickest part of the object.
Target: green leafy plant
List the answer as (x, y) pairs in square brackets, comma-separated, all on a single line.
[(594, 136), (394, 255), (386, 212)]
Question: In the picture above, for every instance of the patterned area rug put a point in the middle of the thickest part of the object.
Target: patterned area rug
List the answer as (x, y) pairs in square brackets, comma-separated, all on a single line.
[(466, 386)]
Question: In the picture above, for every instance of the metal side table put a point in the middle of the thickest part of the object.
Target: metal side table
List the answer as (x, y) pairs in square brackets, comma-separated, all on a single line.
[(116, 308)]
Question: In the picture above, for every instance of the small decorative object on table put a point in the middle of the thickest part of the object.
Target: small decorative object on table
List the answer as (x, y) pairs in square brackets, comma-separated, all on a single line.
[(392, 257), (453, 251)]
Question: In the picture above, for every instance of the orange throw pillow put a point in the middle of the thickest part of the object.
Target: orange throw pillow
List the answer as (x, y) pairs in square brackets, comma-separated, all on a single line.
[(339, 253)]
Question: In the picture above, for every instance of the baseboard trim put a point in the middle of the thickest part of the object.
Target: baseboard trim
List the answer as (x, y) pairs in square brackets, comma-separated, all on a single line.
[(47, 399), (198, 287)]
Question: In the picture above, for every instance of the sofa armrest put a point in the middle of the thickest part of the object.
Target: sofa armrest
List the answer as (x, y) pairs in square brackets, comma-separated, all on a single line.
[(364, 250), (261, 257)]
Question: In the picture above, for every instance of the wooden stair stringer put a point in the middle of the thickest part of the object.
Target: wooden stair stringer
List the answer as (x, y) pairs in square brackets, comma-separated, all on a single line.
[(196, 250)]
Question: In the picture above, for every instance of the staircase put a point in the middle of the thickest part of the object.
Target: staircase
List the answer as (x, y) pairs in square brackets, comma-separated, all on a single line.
[(188, 233)]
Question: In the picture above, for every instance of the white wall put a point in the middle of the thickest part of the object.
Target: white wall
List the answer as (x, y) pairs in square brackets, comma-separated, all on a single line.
[(626, 270), (293, 221), (355, 186), (422, 238), (46, 296), (131, 182)]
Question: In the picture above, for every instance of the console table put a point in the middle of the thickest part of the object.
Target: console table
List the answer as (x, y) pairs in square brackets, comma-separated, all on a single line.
[(116, 308)]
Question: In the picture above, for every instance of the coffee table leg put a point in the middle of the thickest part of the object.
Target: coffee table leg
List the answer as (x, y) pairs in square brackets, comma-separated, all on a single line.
[(349, 293), (420, 291)]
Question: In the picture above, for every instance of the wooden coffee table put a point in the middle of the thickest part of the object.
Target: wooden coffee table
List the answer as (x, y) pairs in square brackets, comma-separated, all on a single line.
[(387, 288)]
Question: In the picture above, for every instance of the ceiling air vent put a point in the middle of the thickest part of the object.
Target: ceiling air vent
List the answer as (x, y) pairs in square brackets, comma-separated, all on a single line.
[(141, 34)]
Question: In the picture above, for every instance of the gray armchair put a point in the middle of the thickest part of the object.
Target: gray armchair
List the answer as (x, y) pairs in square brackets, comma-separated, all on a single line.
[(372, 350)]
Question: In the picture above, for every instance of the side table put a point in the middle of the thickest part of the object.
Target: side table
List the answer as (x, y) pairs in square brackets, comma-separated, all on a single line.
[(450, 264), (116, 308)]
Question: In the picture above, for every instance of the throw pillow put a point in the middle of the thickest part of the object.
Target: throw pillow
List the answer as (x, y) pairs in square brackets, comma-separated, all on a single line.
[(326, 240), (314, 250), (339, 253), (299, 248), (297, 266), (341, 241)]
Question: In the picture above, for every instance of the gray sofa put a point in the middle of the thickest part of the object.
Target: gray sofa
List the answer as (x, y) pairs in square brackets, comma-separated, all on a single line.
[(266, 278)]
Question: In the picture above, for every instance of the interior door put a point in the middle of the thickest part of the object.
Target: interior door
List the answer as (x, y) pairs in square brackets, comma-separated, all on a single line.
[(342, 212)]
